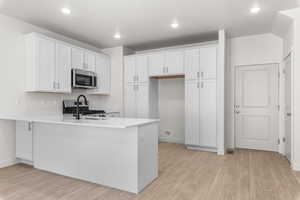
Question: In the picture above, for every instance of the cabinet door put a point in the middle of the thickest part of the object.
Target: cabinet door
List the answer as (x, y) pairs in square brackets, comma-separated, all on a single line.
[(174, 62), (130, 101), (103, 74), (63, 68), (46, 64), (89, 61), (192, 107), (129, 69), (156, 64), (192, 64), (142, 101), (208, 114), (24, 140), (77, 58), (208, 62), (141, 67)]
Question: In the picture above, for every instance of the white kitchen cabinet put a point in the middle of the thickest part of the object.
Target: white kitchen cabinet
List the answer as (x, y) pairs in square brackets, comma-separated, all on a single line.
[(89, 61), (208, 62), (174, 62), (156, 64), (77, 58), (24, 141), (130, 101), (103, 71), (129, 69), (63, 68), (142, 103), (192, 64), (200, 112), (136, 69), (192, 116), (47, 65), (141, 100), (201, 63), (208, 114), (166, 63)]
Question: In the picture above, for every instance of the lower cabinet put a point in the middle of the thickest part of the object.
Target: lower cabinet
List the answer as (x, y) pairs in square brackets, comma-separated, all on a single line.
[(141, 100), (24, 140), (201, 114)]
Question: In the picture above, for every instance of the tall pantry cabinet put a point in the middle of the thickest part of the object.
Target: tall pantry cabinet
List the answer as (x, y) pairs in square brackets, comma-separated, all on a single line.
[(140, 91), (201, 97)]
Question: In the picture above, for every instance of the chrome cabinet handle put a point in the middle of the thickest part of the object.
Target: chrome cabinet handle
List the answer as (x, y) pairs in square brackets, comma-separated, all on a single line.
[(237, 112), (198, 74), (202, 74), (29, 126), (198, 84)]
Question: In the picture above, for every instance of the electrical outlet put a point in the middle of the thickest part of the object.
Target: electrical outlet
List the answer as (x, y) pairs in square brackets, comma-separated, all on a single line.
[(168, 133)]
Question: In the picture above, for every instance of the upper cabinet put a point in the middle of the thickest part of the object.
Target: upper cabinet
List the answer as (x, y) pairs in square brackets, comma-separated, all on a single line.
[(103, 71), (63, 67), (89, 61), (83, 59), (156, 64), (136, 69), (208, 62), (201, 63), (166, 63), (77, 58), (47, 65)]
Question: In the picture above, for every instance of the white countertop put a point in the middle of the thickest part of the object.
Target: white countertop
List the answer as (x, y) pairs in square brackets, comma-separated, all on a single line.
[(60, 119)]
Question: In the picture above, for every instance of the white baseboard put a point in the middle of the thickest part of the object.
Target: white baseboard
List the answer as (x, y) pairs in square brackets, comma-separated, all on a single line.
[(296, 167), (221, 152), (7, 163), (197, 148), (171, 140)]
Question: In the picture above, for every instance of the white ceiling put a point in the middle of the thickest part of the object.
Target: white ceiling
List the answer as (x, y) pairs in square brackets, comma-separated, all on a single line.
[(146, 23)]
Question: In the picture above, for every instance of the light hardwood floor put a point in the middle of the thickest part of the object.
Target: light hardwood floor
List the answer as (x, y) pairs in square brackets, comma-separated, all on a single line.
[(184, 175)]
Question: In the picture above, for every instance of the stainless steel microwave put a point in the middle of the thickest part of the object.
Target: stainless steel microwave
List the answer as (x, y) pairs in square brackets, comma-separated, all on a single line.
[(84, 79)]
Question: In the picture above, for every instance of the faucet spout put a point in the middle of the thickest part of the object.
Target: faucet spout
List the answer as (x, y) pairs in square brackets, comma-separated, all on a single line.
[(77, 105)]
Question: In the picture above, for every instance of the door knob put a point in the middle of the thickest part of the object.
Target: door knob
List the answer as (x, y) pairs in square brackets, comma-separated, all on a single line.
[(288, 114)]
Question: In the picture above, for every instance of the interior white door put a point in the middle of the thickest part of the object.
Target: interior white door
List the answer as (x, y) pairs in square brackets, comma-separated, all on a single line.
[(256, 111), (129, 69), (174, 62), (192, 64), (142, 103), (156, 64), (130, 101), (63, 68), (141, 68), (46, 64), (208, 114), (192, 116), (208, 62), (288, 110)]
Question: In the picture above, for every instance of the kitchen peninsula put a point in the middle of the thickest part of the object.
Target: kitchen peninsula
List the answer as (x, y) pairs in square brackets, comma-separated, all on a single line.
[(120, 153)]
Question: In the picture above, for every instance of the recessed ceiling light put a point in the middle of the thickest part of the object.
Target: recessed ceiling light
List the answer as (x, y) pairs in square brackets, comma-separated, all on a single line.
[(66, 11), (175, 25), (117, 36), (255, 10)]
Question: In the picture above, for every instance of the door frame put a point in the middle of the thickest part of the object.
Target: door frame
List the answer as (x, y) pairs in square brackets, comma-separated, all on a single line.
[(291, 55), (277, 66)]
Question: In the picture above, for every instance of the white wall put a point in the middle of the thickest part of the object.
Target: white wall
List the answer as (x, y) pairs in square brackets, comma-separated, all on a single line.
[(12, 79), (171, 110), (249, 50)]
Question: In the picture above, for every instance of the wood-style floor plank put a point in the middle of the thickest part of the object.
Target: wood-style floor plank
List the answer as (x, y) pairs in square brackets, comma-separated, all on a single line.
[(183, 175)]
